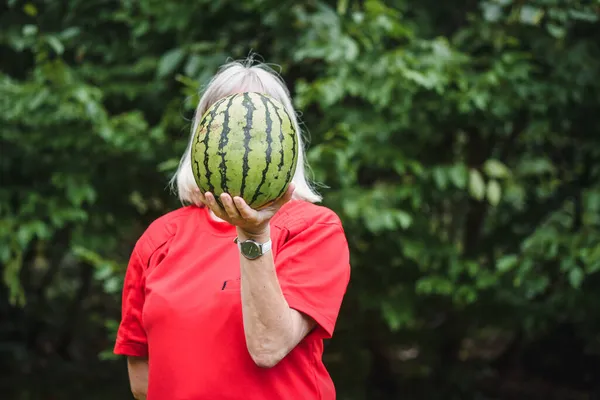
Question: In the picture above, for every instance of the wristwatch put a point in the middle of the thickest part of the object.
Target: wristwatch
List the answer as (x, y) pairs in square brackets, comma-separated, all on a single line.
[(252, 249)]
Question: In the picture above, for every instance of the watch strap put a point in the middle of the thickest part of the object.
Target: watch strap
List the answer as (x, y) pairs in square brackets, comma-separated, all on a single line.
[(266, 247)]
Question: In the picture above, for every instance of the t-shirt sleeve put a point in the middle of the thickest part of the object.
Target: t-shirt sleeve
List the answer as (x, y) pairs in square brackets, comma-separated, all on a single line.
[(313, 267), (131, 336)]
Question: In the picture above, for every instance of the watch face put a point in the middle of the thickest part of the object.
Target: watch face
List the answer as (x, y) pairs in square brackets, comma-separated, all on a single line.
[(250, 249)]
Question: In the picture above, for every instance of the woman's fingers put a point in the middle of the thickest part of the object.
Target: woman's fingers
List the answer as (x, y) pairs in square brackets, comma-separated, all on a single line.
[(213, 205), (237, 212), (198, 197), (230, 207), (247, 212)]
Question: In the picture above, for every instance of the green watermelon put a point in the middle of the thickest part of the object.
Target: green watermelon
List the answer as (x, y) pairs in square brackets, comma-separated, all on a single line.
[(245, 145)]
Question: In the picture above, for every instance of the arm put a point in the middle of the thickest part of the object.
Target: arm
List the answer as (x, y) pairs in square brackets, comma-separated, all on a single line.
[(138, 376), (131, 340), (275, 323), (271, 327)]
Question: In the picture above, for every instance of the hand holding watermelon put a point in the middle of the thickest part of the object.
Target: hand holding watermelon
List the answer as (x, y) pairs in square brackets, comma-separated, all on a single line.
[(238, 213)]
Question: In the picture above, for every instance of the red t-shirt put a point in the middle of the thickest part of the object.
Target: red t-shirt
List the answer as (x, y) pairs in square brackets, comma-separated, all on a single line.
[(182, 305)]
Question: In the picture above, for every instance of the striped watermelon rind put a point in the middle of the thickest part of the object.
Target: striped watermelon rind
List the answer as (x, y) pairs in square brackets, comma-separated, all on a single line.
[(245, 145)]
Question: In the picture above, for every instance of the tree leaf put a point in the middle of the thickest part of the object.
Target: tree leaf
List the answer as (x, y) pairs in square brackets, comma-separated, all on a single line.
[(391, 316), (70, 33), (492, 12), (193, 65), (495, 169), (169, 61), (30, 9), (506, 263), (403, 218), (531, 15), (494, 192), (535, 166), (459, 175), (30, 30), (557, 31), (56, 45), (576, 276), (587, 16), (439, 176), (476, 184)]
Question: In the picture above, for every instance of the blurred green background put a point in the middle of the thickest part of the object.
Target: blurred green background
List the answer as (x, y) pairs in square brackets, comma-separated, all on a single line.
[(458, 140)]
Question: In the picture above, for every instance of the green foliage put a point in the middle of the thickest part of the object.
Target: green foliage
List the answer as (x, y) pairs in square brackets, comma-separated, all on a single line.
[(458, 142)]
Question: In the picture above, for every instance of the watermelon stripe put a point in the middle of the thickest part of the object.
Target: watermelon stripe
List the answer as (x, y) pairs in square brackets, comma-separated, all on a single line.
[(194, 159), (222, 144), (210, 187), (269, 139), (247, 103), (281, 138), (293, 164), (213, 115), (196, 162)]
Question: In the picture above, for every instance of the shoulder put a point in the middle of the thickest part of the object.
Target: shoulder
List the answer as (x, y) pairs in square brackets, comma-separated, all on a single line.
[(302, 224), (162, 229), (299, 214)]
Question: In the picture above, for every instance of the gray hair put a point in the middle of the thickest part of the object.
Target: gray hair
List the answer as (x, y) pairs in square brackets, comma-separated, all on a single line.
[(235, 77)]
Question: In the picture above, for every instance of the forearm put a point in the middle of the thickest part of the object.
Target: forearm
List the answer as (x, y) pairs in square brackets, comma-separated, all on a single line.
[(271, 327), (138, 376)]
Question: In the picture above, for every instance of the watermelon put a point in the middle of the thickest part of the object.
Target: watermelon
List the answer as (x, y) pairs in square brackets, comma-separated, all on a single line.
[(245, 145)]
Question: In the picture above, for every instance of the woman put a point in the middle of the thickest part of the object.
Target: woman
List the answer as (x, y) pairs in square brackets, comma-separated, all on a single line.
[(202, 317)]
